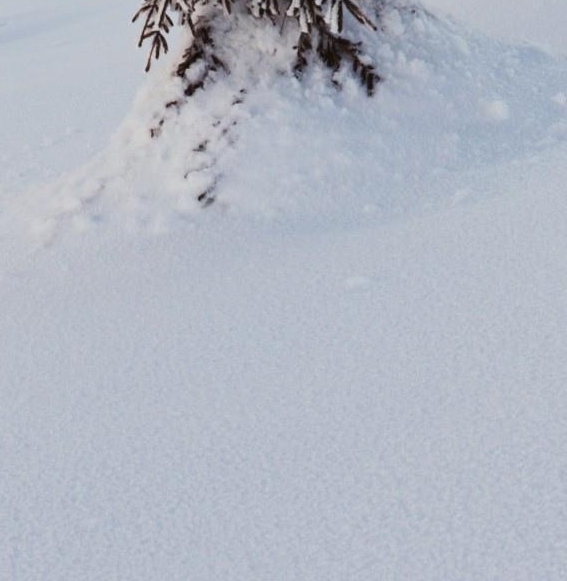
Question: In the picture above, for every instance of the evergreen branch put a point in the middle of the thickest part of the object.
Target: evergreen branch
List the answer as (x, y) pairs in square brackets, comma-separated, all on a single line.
[(358, 14), (319, 20)]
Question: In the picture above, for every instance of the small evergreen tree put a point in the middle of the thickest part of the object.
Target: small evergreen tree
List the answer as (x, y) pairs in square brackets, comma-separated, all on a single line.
[(319, 26)]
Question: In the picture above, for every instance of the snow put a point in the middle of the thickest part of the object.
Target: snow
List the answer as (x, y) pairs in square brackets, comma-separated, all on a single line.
[(64, 90), (542, 22), (350, 366), (497, 110)]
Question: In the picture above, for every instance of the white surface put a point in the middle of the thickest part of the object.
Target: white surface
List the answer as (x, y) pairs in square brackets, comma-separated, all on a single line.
[(351, 366), (537, 21)]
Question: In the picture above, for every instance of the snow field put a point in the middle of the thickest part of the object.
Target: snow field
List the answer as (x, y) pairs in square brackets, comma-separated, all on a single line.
[(350, 366)]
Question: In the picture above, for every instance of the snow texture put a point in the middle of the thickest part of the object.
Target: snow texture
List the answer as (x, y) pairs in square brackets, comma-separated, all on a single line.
[(350, 366)]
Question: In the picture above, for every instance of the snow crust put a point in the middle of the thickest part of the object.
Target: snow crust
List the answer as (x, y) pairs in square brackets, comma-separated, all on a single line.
[(350, 366)]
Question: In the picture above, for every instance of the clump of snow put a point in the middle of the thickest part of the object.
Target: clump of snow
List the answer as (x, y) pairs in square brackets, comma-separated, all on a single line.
[(496, 110), (393, 22)]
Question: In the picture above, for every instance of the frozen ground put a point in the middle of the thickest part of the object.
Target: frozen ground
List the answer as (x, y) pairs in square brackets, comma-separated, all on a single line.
[(351, 366)]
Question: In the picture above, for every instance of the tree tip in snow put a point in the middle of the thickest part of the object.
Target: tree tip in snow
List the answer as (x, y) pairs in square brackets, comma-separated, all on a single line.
[(318, 25)]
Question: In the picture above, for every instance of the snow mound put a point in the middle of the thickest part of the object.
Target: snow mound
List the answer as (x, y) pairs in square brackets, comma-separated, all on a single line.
[(259, 142)]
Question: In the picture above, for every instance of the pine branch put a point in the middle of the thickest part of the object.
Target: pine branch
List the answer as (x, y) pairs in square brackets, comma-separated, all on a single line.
[(303, 47), (358, 14), (319, 20)]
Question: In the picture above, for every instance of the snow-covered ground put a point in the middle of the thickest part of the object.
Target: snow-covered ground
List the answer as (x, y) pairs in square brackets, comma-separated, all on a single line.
[(537, 21), (351, 366)]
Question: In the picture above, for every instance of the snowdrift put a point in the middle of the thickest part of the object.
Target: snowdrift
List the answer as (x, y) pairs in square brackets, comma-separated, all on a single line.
[(258, 141)]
